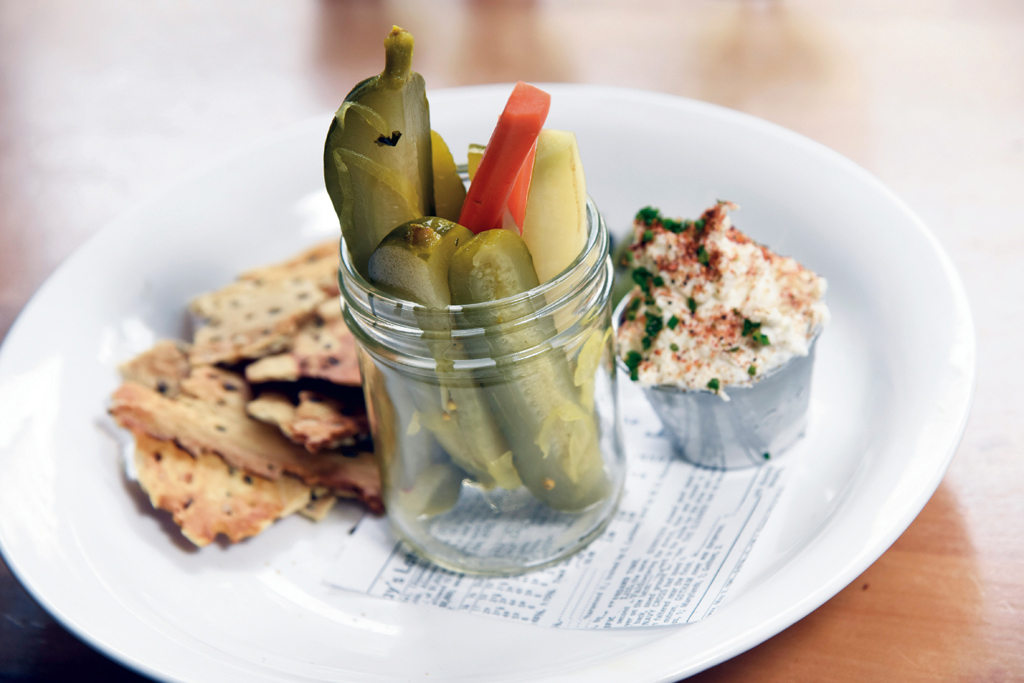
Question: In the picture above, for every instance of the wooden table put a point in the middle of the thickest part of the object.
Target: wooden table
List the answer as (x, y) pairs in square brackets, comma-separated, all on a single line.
[(105, 103)]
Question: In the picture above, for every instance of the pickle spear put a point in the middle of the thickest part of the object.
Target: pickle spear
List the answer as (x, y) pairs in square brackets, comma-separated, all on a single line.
[(378, 164), (412, 263), (554, 439), (449, 191)]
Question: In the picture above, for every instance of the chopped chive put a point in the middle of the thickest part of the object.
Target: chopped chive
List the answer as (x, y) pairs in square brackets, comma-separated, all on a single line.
[(691, 304), (767, 456), (659, 281), (672, 225), (702, 255), (633, 359), (674, 347), (698, 224), (634, 374), (648, 235), (642, 277), (672, 322), (713, 384), (646, 343), (749, 326), (733, 349), (648, 214), (654, 325), (752, 370)]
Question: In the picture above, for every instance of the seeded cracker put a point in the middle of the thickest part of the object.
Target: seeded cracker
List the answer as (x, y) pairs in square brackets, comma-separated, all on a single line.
[(320, 503), (323, 349), (317, 264), (207, 498), (161, 368), (318, 422), (251, 318), (209, 417)]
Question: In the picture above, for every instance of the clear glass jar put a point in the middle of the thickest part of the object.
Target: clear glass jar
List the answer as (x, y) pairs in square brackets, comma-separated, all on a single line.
[(496, 425)]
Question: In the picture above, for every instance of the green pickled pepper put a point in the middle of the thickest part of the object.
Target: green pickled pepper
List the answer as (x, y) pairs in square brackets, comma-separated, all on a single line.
[(378, 164), (554, 437)]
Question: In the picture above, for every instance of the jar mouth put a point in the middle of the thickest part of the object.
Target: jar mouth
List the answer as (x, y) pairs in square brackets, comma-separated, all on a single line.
[(354, 287)]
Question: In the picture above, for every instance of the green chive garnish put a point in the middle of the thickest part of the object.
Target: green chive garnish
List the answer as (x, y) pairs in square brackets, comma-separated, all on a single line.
[(713, 384), (648, 214)]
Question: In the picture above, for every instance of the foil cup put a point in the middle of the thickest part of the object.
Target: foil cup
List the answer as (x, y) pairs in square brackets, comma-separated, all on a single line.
[(755, 426)]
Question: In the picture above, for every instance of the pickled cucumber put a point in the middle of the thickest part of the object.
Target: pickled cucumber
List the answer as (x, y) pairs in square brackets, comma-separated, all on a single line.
[(378, 164), (449, 191), (412, 263), (554, 439)]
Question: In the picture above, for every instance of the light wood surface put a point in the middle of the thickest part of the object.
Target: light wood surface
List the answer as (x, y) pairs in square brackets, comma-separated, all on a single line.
[(105, 103)]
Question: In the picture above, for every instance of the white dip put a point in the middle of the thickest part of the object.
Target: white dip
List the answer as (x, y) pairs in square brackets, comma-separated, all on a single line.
[(730, 310)]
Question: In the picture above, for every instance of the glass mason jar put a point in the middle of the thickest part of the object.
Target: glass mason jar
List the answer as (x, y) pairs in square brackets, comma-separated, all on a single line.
[(496, 425)]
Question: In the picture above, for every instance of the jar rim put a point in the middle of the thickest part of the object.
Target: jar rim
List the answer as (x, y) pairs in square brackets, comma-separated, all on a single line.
[(354, 286)]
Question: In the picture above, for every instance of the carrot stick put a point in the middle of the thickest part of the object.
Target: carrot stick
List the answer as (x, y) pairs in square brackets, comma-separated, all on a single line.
[(504, 161)]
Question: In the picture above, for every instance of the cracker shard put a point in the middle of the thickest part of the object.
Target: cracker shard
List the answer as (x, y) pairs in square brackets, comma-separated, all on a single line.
[(161, 368), (323, 349), (320, 503), (318, 264), (251, 318), (207, 498), (209, 417), (317, 422)]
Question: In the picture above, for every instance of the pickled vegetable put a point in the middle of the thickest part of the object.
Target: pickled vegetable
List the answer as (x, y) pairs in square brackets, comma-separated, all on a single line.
[(378, 165), (435, 491), (555, 226), (553, 437), (473, 157), (511, 143), (412, 262), (449, 191)]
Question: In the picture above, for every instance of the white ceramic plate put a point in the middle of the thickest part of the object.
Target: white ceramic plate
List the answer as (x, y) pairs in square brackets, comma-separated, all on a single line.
[(891, 396)]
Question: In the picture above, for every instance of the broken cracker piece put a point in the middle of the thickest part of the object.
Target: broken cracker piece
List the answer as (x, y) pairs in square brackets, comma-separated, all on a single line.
[(209, 417), (251, 318), (317, 423), (321, 350), (318, 264), (161, 368), (320, 503), (207, 498)]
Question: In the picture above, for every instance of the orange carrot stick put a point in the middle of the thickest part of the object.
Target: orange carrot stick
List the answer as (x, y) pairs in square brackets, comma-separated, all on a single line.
[(504, 161)]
